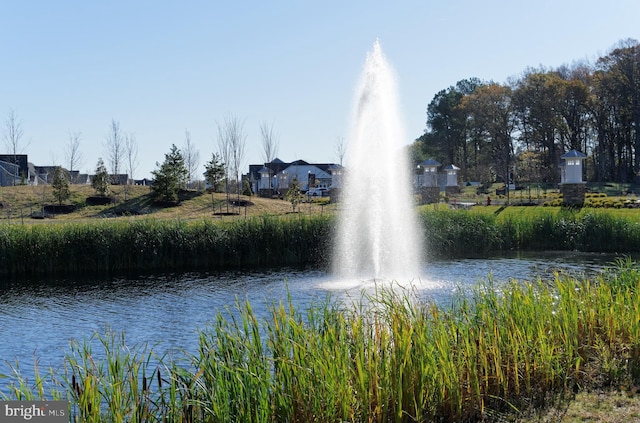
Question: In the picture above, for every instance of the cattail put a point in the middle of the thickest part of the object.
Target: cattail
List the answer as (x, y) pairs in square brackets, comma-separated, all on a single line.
[(76, 386), (159, 380), (144, 384)]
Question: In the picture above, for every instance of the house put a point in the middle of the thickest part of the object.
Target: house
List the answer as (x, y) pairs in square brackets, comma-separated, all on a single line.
[(273, 177), (44, 174), (119, 179), (9, 174), (143, 182), (14, 169)]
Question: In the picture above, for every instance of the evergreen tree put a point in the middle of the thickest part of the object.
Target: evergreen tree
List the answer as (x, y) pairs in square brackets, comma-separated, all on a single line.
[(170, 177), (246, 188), (214, 172), (101, 179), (60, 185)]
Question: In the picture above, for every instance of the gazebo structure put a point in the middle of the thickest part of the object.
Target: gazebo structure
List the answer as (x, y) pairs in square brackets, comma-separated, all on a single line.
[(452, 180), (428, 181), (572, 186), (282, 183), (336, 171), (266, 187)]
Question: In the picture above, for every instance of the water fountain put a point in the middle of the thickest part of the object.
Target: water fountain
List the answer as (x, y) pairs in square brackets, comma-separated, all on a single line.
[(378, 236)]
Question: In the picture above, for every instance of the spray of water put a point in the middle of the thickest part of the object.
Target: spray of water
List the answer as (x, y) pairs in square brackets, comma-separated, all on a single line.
[(378, 235)]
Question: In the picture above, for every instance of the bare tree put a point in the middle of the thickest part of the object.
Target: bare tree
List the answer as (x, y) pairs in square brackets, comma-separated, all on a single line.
[(238, 144), (191, 157), (73, 154), (131, 154), (232, 141), (115, 147), (224, 146), (269, 144), (341, 149), (12, 136)]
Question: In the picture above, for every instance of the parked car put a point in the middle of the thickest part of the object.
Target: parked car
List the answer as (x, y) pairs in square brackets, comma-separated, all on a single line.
[(318, 192)]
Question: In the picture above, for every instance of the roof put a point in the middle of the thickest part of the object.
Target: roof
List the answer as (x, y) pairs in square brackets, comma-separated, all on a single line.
[(430, 162), (277, 166), (573, 154), (299, 163)]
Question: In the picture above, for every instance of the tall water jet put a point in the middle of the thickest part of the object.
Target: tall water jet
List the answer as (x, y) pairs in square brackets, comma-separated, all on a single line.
[(377, 236)]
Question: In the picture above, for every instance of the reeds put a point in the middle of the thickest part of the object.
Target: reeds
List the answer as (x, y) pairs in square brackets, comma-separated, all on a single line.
[(462, 233), (387, 358), (155, 245), (149, 245)]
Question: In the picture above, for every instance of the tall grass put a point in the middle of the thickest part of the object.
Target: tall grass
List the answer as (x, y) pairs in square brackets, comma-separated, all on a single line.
[(462, 233), (151, 245), (457, 233), (134, 246), (388, 358)]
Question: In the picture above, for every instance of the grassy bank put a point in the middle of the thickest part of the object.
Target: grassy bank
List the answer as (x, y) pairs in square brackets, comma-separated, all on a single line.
[(142, 245), (496, 354), (18, 203)]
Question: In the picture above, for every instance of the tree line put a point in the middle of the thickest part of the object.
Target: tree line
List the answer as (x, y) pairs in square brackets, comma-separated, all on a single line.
[(496, 131)]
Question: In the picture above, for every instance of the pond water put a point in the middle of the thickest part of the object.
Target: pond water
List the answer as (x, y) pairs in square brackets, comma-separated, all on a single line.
[(37, 321)]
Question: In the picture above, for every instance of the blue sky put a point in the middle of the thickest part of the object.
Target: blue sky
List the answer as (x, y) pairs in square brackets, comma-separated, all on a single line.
[(160, 67)]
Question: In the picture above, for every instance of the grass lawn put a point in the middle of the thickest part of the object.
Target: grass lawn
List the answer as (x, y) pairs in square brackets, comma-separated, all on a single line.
[(18, 203), (532, 211)]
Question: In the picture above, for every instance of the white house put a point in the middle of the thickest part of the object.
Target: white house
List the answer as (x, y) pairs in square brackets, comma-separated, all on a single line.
[(277, 175)]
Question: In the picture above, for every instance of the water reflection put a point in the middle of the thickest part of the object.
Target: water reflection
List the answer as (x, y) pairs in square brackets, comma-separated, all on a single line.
[(166, 311)]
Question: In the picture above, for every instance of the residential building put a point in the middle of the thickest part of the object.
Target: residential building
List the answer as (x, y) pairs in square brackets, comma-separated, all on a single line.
[(274, 177), (14, 169)]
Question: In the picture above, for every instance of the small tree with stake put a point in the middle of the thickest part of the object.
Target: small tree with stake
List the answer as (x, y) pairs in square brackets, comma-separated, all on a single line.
[(170, 177), (101, 180), (60, 185), (214, 172), (294, 196)]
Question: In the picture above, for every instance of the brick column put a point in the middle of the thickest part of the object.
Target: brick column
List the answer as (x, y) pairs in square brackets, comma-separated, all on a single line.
[(265, 192), (430, 195), (334, 195), (452, 190), (573, 194)]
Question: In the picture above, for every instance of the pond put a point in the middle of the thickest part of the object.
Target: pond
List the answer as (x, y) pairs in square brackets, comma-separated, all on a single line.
[(37, 321)]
